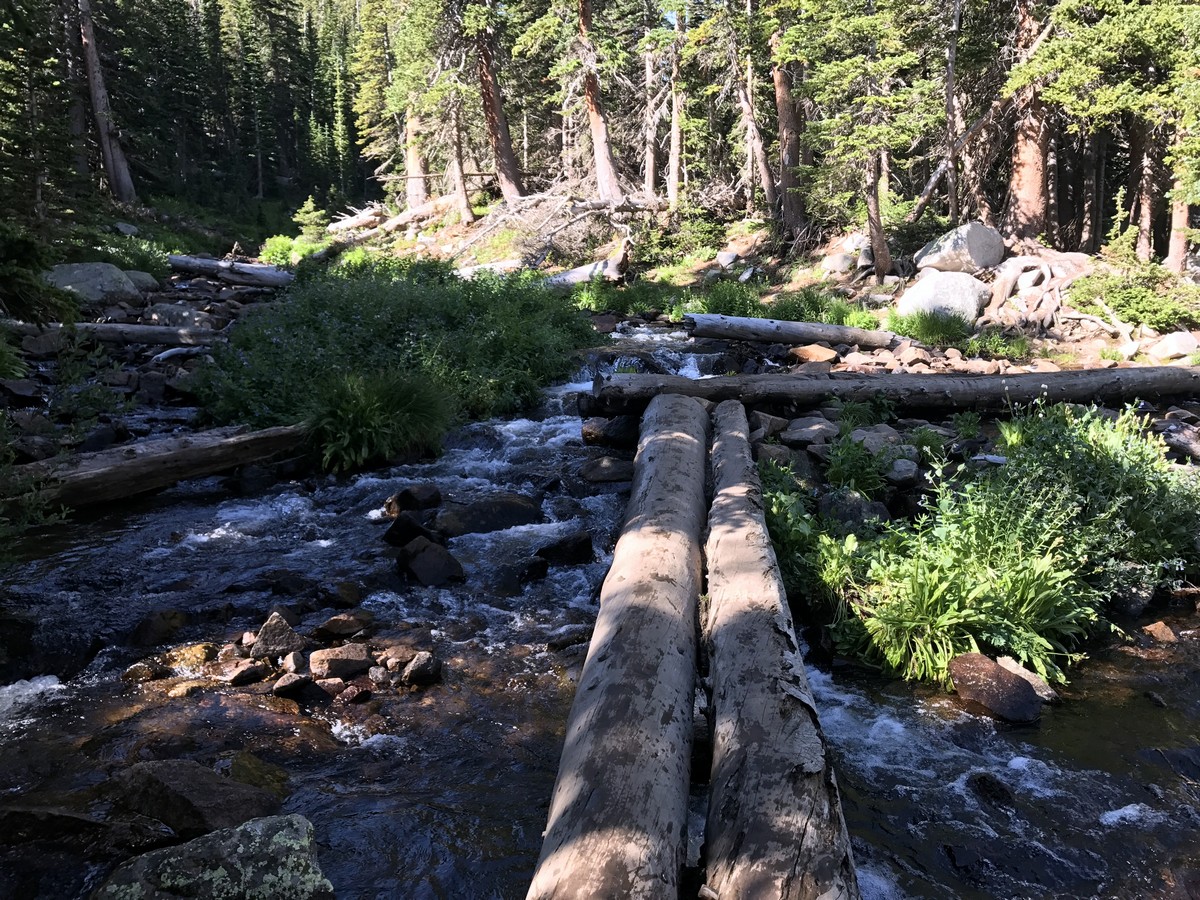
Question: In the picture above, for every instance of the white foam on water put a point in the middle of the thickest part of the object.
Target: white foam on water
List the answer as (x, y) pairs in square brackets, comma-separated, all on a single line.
[(1133, 814), (21, 694), (878, 884), (350, 735)]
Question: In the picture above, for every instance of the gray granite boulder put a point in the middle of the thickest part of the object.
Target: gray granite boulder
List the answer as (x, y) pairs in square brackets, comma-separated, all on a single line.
[(968, 248), (94, 282), (948, 293)]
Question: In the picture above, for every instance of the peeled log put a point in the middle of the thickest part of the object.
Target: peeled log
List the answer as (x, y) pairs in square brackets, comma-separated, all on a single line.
[(773, 331), (621, 394), (114, 333), (256, 274), (618, 815), (364, 218), (121, 472), (775, 827)]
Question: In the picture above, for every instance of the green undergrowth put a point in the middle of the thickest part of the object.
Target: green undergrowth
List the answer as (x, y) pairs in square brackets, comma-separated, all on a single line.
[(24, 294), (945, 330), (1028, 559), (379, 337)]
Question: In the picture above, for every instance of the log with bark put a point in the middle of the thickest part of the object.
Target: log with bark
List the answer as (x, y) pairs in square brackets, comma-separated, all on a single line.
[(622, 394), (775, 828), (773, 331), (233, 272), (115, 333), (119, 472), (618, 815)]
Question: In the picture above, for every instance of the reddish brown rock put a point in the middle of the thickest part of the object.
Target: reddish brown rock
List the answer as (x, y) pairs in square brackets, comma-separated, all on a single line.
[(1003, 693)]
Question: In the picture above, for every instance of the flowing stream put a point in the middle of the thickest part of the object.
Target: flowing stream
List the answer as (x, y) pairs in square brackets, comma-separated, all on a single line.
[(442, 792)]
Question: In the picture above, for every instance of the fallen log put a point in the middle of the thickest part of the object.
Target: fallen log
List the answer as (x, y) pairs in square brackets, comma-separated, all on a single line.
[(1181, 437), (622, 394), (121, 472), (775, 828), (364, 218), (618, 814), (774, 331), (233, 272), (114, 333), (438, 206)]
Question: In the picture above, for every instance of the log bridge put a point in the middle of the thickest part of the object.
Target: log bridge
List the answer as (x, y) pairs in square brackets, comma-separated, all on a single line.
[(618, 823)]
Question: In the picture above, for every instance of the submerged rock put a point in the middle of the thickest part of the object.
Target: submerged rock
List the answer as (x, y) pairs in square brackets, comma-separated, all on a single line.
[(273, 858), (1003, 693), (430, 564), (491, 514)]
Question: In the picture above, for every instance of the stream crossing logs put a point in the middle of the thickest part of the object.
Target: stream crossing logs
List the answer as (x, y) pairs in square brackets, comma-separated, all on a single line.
[(622, 394), (618, 813), (775, 829), (775, 331)]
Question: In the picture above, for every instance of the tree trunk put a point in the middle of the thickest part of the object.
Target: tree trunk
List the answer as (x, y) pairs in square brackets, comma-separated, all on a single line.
[(879, 247), (618, 815), (416, 192), (649, 126), (508, 173), (112, 475), (621, 394), (256, 274), (775, 828), (772, 331), (756, 152), (1089, 225), (1176, 259), (791, 204), (675, 158), (117, 333), (1147, 193), (606, 170), (115, 165), (458, 181), (1027, 182), (952, 114)]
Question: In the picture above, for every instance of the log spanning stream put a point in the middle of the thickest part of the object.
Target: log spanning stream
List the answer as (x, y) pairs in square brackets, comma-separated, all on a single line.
[(445, 792)]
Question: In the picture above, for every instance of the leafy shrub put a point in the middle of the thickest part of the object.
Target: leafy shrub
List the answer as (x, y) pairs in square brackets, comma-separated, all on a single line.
[(992, 343), (852, 465), (857, 413), (359, 419), (24, 294), (729, 298), (935, 329), (488, 344), (692, 232), (11, 364)]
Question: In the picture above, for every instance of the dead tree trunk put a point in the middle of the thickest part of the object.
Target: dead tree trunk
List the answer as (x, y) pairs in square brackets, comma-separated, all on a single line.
[(115, 164), (621, 394), (773, 331), (1177, 247), (675, 155), (416, 191), (791, 204), (618, 815), (606, 169), (458, 180), (508, 173), (120, 472), (952, 115), (775, 828), (879, 246), (254, 274)]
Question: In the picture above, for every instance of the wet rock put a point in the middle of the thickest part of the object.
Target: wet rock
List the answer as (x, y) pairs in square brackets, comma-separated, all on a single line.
[(101, 437), (276, 638), (340, 662), (951, 293), (158, 627), (569, 636), (490, 514), (274, 857), (620, 432), (968, 248), (406, 528), (354, 693), (294, 663), (95, 283), (990, 789), (569, 550), (430, 564), (808, 430), (191, 656), (1161, 632), (606, 470), (331, 686), (1036, 681), (145, 670), (424, 669), (186, 688), (286, 613), (379, 675), (345, 624), (188, 797), (395, 658), (511, 578), (1003, 693), (413, 497), (230, 652), (290, 684), (242, 671)]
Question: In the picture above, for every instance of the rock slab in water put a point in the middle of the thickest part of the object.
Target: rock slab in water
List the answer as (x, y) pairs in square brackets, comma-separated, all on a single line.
[(413, 497), (619, 432), (406, 528), (968, 248), (570, 550), (276, 638), (94, 282), (1003, 693), (492, 514), (949, 293), (606, 470), (430, 564), (345, 661), (189, 798), (273, 858)]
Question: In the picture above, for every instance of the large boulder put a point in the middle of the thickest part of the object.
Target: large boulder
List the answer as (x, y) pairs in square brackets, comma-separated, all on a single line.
[(949, 293), (430, 564), (1003, 693), (189, 798), (492, 514), (95, 283), (968, 248), (268, 857)]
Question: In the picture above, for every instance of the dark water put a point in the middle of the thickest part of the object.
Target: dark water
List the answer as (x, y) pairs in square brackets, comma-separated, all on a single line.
[(442, 793)]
